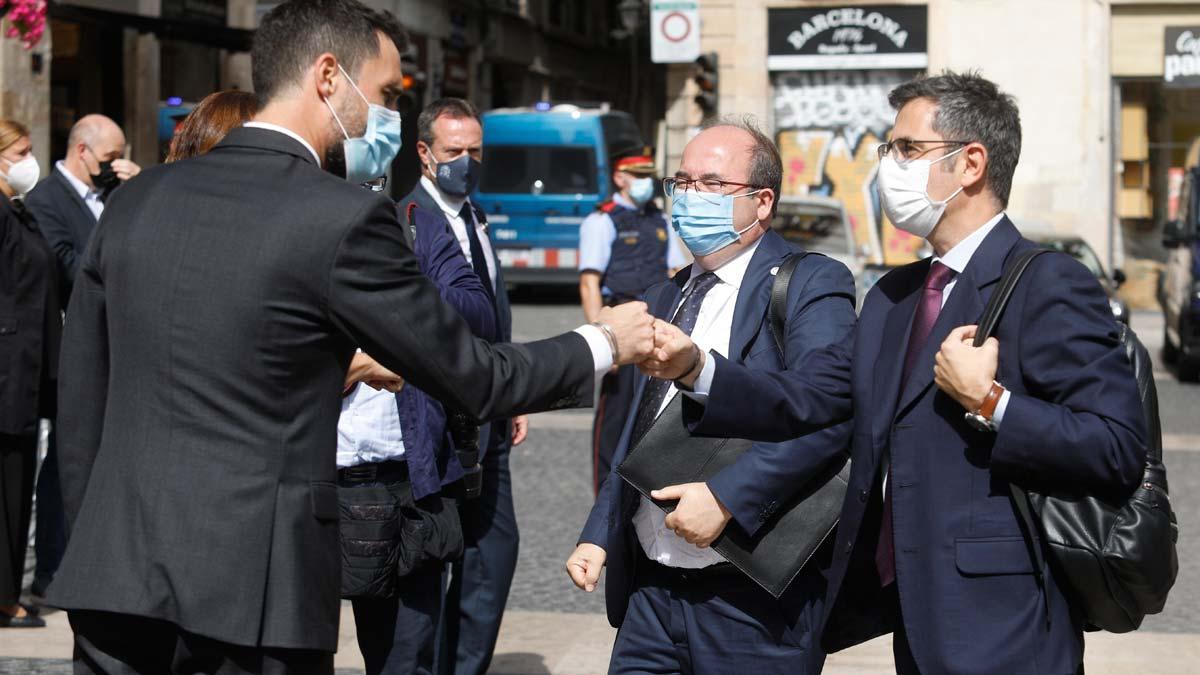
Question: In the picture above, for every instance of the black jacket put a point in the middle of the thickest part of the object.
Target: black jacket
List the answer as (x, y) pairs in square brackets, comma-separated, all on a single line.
[(66, 221), (30, 322), (212, 322)]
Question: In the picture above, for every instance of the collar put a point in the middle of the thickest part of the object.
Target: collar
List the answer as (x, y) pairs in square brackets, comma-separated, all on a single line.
[(958, 257), (732, 272), (286, 132), (620, 199), (80, 186), (449, 204)]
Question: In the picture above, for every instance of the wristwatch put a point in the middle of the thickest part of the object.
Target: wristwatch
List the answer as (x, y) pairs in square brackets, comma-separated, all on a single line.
[(981, 420)]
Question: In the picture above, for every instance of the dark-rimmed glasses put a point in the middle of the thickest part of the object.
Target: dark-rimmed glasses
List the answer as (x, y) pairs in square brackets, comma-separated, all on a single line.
[(708, 185)]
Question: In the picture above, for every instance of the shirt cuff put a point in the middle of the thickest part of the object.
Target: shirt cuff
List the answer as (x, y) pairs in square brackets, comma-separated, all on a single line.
[(602, 356), (703, 384), (1001, 406)]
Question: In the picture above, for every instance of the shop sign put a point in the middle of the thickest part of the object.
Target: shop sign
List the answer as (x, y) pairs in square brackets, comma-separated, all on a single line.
[(1181, 57), (847, 38)]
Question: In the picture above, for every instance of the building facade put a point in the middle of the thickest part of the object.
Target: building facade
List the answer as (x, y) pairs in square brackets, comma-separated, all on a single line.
[(1103, 133)]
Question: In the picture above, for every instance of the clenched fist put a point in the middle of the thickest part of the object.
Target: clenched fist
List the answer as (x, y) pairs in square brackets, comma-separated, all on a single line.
[(585, 564), (674, 355), (633, 327), (966, 372)]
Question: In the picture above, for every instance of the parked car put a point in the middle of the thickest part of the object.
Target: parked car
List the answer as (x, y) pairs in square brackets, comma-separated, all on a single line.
[(1080, 250), (1179, 288), (546, 169), (821, 224)]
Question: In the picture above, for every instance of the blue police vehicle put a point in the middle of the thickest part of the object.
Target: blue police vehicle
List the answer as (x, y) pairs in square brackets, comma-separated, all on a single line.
[(545, 168)]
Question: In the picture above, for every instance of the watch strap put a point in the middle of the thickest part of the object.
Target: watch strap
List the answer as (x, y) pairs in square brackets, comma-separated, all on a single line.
[(988, 409)]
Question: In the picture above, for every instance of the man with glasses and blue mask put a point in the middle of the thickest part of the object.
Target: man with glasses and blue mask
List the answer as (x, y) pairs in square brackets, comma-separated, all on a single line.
[(215, 316), (929, 546), (625, 247), (678, 605)]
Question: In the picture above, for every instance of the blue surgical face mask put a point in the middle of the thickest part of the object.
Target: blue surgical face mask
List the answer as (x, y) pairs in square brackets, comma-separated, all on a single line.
[(457, 177), (704, 220), (641, 190), (369, 156)]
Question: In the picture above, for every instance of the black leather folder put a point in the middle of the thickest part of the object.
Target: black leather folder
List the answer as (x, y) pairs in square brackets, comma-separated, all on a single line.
[(669, 455)]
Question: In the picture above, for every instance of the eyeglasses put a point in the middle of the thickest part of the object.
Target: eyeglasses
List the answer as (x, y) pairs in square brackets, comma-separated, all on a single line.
[(706, 185), (907, 149)]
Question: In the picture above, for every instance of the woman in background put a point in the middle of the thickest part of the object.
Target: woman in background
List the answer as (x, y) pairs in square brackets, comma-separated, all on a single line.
[(30, 331), (217, 115)]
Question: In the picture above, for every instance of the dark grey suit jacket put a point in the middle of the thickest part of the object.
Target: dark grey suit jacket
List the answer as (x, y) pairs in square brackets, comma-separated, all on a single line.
[(66, 222), (213, 319)]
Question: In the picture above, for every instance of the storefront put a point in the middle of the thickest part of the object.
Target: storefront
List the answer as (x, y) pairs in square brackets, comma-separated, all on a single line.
[(831, 70)]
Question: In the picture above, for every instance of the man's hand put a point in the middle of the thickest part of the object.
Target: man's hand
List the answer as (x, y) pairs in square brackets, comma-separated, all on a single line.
[(585, 564), (634, 329), (966, 372), (369, 371), (520, 429), (699, 517), (125, 169), (674, 356)]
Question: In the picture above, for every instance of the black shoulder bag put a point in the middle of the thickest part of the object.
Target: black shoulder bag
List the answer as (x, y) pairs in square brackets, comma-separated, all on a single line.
[(1116, 561)]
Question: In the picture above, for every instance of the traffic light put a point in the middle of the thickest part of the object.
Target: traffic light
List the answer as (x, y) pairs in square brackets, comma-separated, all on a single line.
[(706, 80)]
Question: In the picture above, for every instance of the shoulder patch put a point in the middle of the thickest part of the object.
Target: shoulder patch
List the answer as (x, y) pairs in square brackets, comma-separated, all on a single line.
[(607, 207)]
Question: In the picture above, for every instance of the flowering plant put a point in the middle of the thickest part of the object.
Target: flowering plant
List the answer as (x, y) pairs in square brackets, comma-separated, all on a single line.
[(26, 20)]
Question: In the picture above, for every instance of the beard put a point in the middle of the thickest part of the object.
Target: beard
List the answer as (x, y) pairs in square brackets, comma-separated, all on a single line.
[(352, 111)]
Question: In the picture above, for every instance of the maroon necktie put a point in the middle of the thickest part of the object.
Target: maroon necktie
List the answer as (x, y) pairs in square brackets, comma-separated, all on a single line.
[(927, 314)]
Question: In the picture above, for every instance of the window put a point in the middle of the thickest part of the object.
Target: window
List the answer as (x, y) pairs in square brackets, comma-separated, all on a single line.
[(520, 169)]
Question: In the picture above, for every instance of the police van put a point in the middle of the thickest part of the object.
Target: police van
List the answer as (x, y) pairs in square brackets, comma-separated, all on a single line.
[(545, 168)]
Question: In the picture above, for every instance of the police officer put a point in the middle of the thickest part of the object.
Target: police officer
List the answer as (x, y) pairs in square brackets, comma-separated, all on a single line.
[(625, 247)]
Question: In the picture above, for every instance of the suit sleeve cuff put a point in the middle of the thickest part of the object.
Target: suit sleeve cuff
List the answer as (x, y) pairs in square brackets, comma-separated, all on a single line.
[(1001, 406), (704, 380), (602, 356)]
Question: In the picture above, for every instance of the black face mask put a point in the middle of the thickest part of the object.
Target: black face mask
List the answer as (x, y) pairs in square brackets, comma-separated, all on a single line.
[(107, 178)]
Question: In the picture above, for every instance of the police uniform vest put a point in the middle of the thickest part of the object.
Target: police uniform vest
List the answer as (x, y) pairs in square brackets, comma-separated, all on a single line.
[(639, 252)]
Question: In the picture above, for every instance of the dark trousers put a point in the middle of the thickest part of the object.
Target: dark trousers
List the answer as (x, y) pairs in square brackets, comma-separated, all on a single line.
[(612, 409), (121, 644), (396, 635), (479, 583), (699, 623), (18, 460), (50, 538)]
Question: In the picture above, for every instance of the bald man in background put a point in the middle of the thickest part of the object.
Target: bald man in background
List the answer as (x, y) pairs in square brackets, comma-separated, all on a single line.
[(68, 202)]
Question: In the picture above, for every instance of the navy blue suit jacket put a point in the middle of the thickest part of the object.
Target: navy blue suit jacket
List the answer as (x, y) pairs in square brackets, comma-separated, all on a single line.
[(427, 442), (820, 312), (496, 436), (966, 587)]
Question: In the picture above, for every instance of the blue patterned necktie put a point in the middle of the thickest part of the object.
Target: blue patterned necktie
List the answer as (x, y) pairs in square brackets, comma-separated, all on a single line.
[(656, 390)]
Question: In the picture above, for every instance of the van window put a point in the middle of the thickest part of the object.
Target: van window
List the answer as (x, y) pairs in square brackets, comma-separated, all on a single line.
[(563, 169)]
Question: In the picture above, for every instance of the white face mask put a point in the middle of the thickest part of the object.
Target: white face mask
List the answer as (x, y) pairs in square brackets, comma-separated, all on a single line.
[(904, 192), (22, 175)]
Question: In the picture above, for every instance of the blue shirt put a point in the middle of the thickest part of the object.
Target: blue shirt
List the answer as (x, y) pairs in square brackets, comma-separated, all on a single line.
[(597, 233)]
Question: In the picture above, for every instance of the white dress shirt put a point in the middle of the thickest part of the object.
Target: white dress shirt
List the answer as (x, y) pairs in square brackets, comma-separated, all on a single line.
[(286, 132), (451, 207), (714, 323), (956, 259), (90, 196), (369, 428)]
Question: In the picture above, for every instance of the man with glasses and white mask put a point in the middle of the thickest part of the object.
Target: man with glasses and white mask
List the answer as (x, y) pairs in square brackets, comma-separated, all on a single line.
[(679, 606), (929, 545)]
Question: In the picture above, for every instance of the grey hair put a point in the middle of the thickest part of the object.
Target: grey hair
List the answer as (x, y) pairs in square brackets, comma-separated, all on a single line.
[(972, 108), (766, 167)]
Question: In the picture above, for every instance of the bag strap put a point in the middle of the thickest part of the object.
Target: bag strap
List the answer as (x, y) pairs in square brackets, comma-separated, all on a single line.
[(987, 326), (777, 309)]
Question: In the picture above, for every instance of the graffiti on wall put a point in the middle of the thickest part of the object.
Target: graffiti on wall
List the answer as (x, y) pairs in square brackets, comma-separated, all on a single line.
[(829, 124)]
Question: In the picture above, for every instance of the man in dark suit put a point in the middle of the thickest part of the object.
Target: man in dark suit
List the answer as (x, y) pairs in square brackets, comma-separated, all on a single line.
[(450, 148), (929, 545), (67, 204), (214, 317), (680, 607)]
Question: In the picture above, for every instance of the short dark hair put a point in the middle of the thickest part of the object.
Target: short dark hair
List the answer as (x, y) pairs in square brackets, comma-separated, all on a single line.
[(295, 33), (455, 108), (766, 167), (972, 108)]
